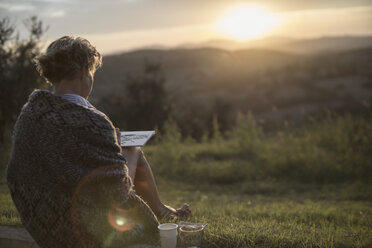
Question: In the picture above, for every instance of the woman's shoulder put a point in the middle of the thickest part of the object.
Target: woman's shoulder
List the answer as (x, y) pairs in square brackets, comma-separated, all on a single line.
[(44, 106)]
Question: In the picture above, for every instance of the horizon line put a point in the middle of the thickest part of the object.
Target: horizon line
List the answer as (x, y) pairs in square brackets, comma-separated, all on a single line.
[(202, 44)]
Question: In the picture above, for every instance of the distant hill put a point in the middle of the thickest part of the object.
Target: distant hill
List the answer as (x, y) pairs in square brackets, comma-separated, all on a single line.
[(327, 44), (285, 44), (274, 85), (188, 66)]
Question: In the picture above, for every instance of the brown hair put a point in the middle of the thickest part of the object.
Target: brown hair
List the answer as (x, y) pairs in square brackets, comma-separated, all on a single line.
[(66, 56)]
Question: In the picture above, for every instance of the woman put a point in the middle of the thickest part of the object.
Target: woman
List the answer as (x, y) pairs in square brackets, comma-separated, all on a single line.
[(67, 173)]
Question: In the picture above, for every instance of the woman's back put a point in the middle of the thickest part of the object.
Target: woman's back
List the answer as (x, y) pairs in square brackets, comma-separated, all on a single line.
[(67, 176)]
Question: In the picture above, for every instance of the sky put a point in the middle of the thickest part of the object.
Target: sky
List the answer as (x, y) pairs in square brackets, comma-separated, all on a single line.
[(122, 25)]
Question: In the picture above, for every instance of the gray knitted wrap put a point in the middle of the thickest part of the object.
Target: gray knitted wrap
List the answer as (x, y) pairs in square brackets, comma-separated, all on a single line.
[(69, 181)]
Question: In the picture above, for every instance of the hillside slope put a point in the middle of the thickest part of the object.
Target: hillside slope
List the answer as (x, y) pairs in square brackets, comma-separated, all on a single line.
[(273, 85)]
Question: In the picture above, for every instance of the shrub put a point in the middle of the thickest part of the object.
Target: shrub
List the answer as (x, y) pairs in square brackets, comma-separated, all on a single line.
[(333, 150)]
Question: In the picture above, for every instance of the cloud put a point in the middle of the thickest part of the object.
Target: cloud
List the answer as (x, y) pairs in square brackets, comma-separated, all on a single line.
[(108, 43), (56, 1), (17, 7), (57, 14), (326, 22)]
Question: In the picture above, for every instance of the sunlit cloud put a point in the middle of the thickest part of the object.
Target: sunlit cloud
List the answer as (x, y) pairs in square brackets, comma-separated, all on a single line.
[(332, 21), (169, 37), (57, 14), (17, 7), (131, 1), (119, 25), (57, 1)]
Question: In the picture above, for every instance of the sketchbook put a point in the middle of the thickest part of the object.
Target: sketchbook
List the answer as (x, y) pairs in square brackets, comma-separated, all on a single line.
[(135, 138)]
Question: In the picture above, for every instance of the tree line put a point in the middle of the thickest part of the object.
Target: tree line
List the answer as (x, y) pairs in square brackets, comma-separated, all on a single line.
[(18, 76)]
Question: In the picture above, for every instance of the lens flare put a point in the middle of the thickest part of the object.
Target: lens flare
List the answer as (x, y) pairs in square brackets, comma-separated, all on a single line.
[(120, 221)]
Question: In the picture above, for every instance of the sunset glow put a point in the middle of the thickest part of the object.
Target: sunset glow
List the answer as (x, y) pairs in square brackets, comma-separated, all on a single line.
[(134, 24), (246, 21)]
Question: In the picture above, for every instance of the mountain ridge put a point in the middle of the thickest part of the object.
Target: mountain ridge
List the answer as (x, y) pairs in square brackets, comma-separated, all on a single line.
[(279, 43), (273, 85)]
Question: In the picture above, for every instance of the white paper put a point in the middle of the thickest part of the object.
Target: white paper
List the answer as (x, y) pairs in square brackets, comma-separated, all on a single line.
[(135, 138)]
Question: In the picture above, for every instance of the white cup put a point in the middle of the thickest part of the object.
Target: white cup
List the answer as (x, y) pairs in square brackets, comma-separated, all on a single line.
[(168, 235)]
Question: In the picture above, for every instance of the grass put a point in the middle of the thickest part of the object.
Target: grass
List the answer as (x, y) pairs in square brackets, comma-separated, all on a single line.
[(264, 214), (8, 212), (306, 187), (272, 218)]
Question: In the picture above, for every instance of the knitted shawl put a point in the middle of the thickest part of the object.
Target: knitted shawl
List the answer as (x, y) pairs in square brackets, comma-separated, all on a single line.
[(69, 181)]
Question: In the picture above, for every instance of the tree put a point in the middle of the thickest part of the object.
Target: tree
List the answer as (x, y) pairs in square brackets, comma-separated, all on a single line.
[(146, 103), (224, 116), (216, 135), (18, 76)]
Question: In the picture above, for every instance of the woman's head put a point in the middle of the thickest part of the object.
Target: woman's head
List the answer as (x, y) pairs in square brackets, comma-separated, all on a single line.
[(66, 57)]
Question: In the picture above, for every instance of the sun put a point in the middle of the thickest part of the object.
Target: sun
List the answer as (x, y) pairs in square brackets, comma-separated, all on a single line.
[(245, 22)]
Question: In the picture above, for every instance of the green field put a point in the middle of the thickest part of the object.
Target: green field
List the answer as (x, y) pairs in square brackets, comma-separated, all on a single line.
[(274, 218), (266, 214), (296, 187)]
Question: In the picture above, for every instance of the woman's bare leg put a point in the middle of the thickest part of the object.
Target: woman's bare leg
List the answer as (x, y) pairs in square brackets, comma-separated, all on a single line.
[(131, 154), (145, 186)]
